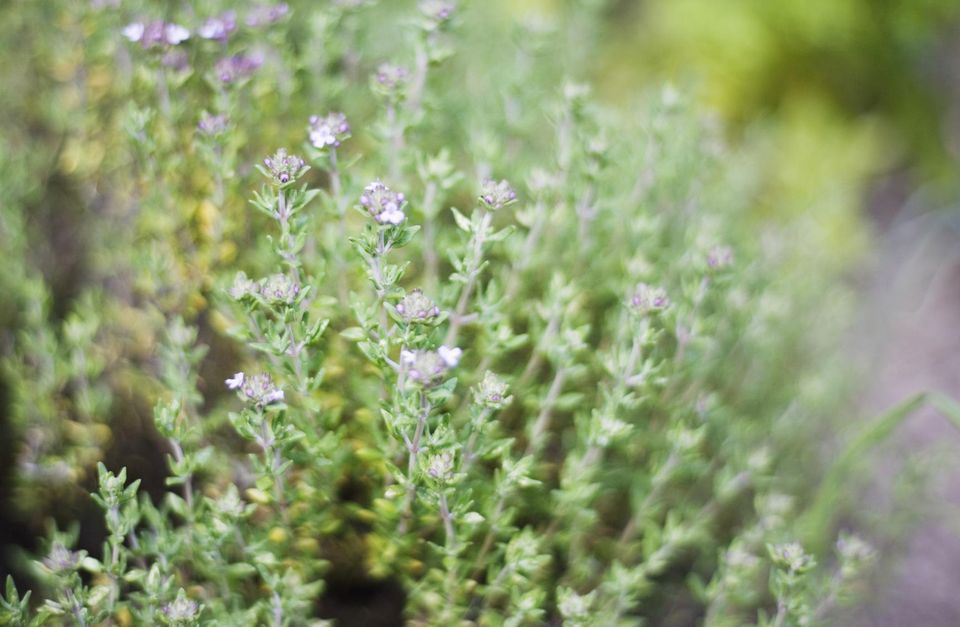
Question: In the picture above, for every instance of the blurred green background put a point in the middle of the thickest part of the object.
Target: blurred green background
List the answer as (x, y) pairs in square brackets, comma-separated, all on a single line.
[(830, 100)]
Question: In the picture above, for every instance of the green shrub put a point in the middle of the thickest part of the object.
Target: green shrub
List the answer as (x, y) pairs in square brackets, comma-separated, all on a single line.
[(478, 336)]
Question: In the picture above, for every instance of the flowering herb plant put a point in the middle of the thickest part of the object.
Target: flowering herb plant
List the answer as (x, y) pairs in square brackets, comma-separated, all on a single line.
[(462, 333)]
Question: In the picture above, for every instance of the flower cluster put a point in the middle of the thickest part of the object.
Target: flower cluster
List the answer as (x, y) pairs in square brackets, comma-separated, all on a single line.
[(492, 391), (428, 367), (575, 608), (384, 204), (60, 559), (276, 289), (181, 611), (237, 67), (213, 125), (156, 34), (390, 80), (496, 195), (243, 287), (328, 130), (792, 557), (279, 289), (219, 28), (720, 257), (258, 389), (416, 307), (440, 466), (437, 12), (284, 168), (854, 553), (647, 298)]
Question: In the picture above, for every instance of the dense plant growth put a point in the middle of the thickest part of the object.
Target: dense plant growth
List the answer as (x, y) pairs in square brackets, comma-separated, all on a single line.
[(409, 306)]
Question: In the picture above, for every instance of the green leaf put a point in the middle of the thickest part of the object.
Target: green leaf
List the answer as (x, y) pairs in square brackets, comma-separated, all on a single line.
[(240, 570), (354, 333), (463, 223)]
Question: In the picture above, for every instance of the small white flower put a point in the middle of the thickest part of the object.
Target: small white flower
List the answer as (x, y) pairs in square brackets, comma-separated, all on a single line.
[(328, 130), (322, 136), (133, 31), (391, 216), (175, 34), (384, 204), (273, 397), (209, 30), (235, 382), (450, 356), (407, 357)]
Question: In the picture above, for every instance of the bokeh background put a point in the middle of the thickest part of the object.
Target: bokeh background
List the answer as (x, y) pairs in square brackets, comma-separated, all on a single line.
[(846, 114), (851, 108)]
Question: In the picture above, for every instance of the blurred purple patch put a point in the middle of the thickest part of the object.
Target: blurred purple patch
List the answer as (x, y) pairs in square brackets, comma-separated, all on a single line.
[(267, 14), (219, 28), (238, 66)]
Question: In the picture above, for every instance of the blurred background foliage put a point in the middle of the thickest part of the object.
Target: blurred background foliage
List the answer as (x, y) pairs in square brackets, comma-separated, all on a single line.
[(824, 97)]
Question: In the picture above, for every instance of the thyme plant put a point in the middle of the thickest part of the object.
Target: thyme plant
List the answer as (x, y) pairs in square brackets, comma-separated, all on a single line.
[(410, 305)]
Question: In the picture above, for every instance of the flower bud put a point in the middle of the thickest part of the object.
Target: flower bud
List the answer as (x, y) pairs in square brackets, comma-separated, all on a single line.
[(792, 557), (279, 289), (390, 81), (284, 168), (647, 298), (260, 390), (416, 307), (440, 467), (491, 392), (62, 560), (496, 195), (181, 611), (720, 257)]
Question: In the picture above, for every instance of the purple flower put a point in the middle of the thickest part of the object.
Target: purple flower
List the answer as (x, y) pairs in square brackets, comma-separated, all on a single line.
[(279, 289), (390, 80), (647, 298), (384, 204), (437, 12), (258, 389), (491, 392), (440, 466), (415, 307), (284, 168), (238, 66), (328, 130), (496, 195), (176, 59), (428, 367), (212, 125), (720, 257), (156, 34), (181, 610), (219, 28), (266, 14), (61, 559)]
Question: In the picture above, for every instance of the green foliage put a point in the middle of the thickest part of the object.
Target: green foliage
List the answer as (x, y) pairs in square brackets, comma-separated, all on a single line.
[(823, 95), (523, 355)]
